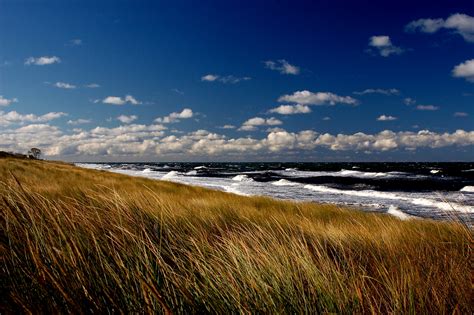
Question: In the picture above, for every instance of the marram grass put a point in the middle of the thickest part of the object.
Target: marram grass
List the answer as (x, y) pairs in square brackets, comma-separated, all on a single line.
[(85, 241)]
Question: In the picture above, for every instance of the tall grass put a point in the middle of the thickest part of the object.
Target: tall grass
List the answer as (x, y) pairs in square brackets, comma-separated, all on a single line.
[(81, 241)]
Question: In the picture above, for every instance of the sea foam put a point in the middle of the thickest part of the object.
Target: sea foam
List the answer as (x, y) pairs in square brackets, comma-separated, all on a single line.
[(284, 182), (242, 178), (469, 189)]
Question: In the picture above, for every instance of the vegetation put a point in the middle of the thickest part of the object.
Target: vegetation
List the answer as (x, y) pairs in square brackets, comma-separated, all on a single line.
[(76, 240)]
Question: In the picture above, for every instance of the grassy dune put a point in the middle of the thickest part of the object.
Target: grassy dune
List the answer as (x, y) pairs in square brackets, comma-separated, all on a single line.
[(76, 240)]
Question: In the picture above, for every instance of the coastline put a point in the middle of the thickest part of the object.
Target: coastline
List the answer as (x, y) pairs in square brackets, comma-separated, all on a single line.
[(354, 188), (85, 239)]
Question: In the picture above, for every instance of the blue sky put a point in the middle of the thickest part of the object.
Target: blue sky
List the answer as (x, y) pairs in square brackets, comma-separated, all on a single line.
[(238, 80)]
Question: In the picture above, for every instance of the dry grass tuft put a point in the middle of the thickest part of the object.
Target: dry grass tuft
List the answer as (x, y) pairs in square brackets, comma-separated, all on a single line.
[(76, 240)]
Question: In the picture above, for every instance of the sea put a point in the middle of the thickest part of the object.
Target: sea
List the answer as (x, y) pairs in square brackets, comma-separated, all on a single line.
[(440, 191)]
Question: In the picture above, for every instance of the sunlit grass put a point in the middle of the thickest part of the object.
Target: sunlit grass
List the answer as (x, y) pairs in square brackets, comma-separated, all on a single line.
[(76, 240)]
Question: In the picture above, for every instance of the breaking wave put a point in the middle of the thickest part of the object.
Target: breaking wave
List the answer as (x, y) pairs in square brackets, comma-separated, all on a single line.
[(242, 178), (420, 201), (469, 189)]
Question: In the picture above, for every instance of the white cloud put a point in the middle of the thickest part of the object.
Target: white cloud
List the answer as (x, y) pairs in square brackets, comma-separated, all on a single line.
[(42, 61), (460, 114), (92, 85), (64, 85), (127, 119), (116, 100), (409, 101), (291, 109), (223, 79), (209, 77), (14, 117), (79, 121), (319, 98), (383, 45), (465, 70), (176, 116), (5, 101), (178, 91), (227, 127), (427, 107), (386, 118), (461, 24), (378, 91), (252, 123), (75, 42), (282, 66), (150, 140), (327, 118)]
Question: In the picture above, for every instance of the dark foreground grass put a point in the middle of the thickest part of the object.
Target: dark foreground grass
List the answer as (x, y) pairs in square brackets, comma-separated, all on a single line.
[(82, 241)]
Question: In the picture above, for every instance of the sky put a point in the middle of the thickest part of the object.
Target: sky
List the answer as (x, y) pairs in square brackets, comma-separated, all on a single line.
[(238, 80)]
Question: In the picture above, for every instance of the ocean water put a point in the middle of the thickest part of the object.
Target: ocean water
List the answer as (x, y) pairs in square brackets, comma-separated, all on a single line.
[(405, 190)]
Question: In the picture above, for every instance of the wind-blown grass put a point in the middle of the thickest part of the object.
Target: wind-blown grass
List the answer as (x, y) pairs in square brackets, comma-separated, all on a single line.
[(76, 240)]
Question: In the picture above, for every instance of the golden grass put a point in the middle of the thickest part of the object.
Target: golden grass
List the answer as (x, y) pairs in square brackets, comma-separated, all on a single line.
[(76, 240)]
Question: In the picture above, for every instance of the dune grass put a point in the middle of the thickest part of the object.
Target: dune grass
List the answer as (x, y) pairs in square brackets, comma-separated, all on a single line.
[(82, 241)]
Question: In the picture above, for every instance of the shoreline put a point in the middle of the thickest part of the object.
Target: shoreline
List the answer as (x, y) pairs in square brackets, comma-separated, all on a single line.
[(89, 240), (361, 200)]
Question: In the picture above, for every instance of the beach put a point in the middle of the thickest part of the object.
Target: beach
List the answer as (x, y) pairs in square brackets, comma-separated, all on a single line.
[(84, 240)]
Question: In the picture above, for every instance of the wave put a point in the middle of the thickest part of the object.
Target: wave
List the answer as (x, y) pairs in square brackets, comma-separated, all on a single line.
[(284, 182), (200, 167), (242, 178), (191, 173), (170, 175), (347, 173), (147, 170), (398, 213), (469, 189), (420, 201)]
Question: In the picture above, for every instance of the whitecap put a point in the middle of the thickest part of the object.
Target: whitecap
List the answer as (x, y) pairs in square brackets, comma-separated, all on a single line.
[(469, 189), (170, 175), (398, 213), (284, 182), (242, 178), (445, 206)]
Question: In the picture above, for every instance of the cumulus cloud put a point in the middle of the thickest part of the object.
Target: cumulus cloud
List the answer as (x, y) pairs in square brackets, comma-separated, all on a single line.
[(319, 98), (64, 85), (427, 107), (465, 70), (386, 118), (383, 45), (282, 66), (176, 116), (116, 100), (227, 127), (461, 24), (151, 140), (7, 101), (127, 119), (42, 61), (223, 79), (378, 91), (291, 109), (252, 123), (79, 121), (14, 117)]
